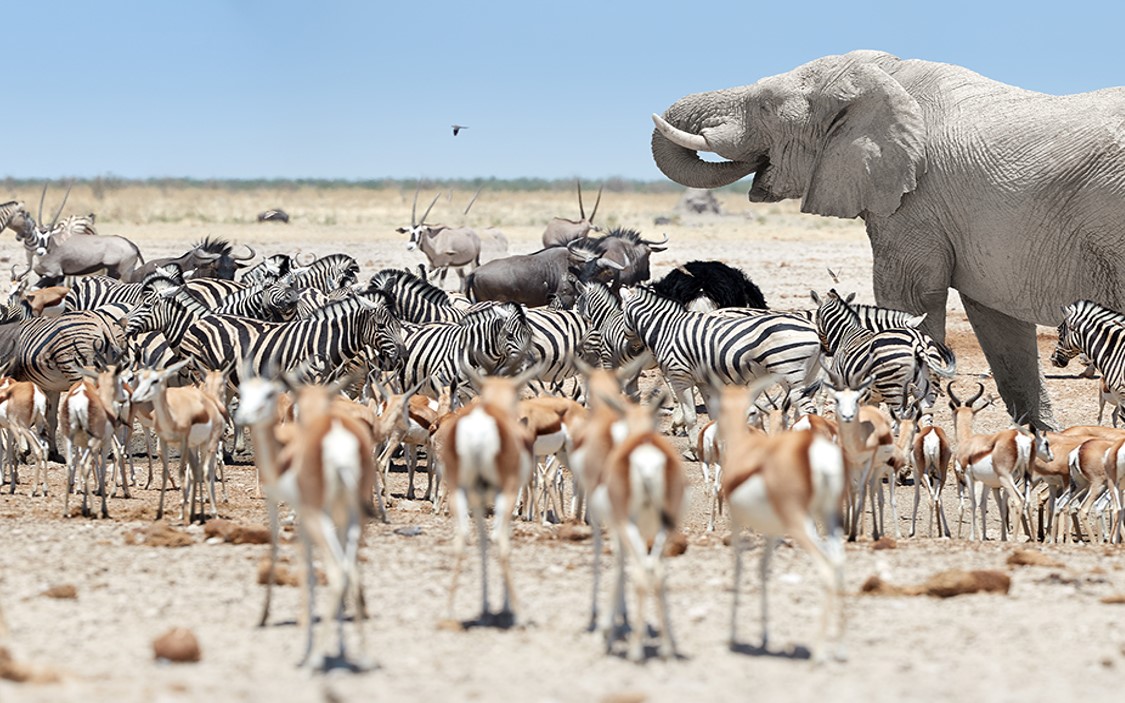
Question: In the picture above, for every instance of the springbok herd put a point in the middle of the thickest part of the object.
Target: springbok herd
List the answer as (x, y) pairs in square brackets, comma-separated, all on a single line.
[(530, 413)]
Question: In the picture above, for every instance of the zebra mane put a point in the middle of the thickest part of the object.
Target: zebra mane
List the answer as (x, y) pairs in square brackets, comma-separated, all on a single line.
[(336, 309), (184, 298), (213, 245), (851, 310), (8, 210), (1104, 313), (600, 295), (651, 293), (386, 279)]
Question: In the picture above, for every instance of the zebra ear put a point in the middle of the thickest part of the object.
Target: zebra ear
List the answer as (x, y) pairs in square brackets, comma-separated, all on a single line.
[(916, 321), (815, 297)]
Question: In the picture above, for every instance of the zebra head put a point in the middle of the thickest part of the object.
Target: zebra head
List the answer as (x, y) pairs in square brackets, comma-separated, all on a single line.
[(1067, 346), (515, 336), (153, 310), (383, 330)]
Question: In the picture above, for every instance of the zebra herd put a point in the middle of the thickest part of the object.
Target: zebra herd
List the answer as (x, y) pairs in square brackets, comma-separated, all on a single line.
[(398, 360)]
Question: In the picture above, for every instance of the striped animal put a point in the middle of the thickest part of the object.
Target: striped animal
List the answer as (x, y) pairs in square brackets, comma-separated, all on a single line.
[(415, 299), (1098, 332), (896, 358), (692, 347), (494, 338)]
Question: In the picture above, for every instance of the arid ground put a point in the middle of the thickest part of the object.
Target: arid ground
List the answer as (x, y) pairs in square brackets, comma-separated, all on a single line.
[(1051, 637)]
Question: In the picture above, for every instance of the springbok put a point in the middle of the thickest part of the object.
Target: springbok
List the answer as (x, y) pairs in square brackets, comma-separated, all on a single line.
[(487, 455), (550, 421), (781, 485), (23, 409), (188, 417)]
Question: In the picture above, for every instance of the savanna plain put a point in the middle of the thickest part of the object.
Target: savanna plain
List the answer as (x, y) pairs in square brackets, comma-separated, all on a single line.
[(1052, 636)]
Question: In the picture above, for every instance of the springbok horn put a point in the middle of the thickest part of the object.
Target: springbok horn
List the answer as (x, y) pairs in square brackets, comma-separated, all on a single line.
[(695, 142), (581, 210), (473, 200), (980, 392), (55, 219), (652, 243), (249, 256), (953, 396), (597, 202), (427, 213)]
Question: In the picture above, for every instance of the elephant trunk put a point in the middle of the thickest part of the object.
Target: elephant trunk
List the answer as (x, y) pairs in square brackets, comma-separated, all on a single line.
[(683, 165)]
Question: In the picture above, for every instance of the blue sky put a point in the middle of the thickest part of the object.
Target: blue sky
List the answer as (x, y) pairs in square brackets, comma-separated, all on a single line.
[(356, 90)]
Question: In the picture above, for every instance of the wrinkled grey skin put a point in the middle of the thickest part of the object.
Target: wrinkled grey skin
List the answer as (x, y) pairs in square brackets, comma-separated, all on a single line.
[(1014, 198)]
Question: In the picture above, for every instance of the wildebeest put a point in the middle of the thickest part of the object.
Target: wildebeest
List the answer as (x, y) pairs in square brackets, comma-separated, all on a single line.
[(627, 248), (538, 279), (274, 215), (706, 285), (210, 258), (561, 231)]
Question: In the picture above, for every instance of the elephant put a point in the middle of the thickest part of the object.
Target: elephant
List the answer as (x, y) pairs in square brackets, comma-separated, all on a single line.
[(1014, 198)]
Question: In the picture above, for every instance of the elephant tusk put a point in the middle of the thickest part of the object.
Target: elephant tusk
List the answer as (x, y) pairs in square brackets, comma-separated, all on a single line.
[(695, 142)]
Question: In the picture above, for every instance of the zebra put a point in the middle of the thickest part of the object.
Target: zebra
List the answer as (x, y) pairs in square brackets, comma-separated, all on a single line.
[(273, 302), (326, 274), (693, 348), (269, 270), (1098, 332), (52, 351), (416, 300), (556, 340), (310, 301), (494, 338), (339, 333), (898, 358), (92, 292)]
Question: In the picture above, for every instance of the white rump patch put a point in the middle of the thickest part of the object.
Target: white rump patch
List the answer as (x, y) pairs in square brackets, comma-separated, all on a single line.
[(478, 444)]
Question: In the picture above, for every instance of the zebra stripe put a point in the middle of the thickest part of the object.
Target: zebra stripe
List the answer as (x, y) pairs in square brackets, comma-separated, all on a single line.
[(691, 347), (326, 274), (1098, 332), (556, 338), (416, 300), (609, 342), (494, 338), (894, 358)]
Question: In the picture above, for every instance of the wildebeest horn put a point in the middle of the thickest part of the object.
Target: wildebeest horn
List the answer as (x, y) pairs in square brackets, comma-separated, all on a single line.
[(597, 202), (201, 253), (297, 258), (249, 256), (652, 243), (55, 219), (610, 263)]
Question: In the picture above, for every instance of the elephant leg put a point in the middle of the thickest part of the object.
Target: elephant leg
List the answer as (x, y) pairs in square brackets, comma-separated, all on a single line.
[(1009, 346), (916, 279)]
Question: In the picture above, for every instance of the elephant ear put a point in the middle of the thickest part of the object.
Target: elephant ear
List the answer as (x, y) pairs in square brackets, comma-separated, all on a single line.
[(874, 147)]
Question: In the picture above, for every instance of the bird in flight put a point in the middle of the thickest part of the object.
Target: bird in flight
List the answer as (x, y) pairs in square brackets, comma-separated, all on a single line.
[(457, 128)]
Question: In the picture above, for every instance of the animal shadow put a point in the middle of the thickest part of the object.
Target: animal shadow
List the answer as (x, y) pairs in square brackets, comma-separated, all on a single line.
[(796, 653)]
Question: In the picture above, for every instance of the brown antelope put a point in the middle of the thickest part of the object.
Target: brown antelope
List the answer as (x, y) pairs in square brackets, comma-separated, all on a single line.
[(258, 409), (46, 302), (87, 425), (23, 409), (644, 485), (1093, 471), (593, 439), (781, 485), (486, 458), (550, 422), (405, 420), (1115, 472), (927, 449), (708, 447), (327, 473), (867, 441), (995, 461), (190, 418), (1055, 474)]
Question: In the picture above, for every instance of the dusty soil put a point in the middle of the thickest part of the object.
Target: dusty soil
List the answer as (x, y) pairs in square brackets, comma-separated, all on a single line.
[(1050, 636)]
